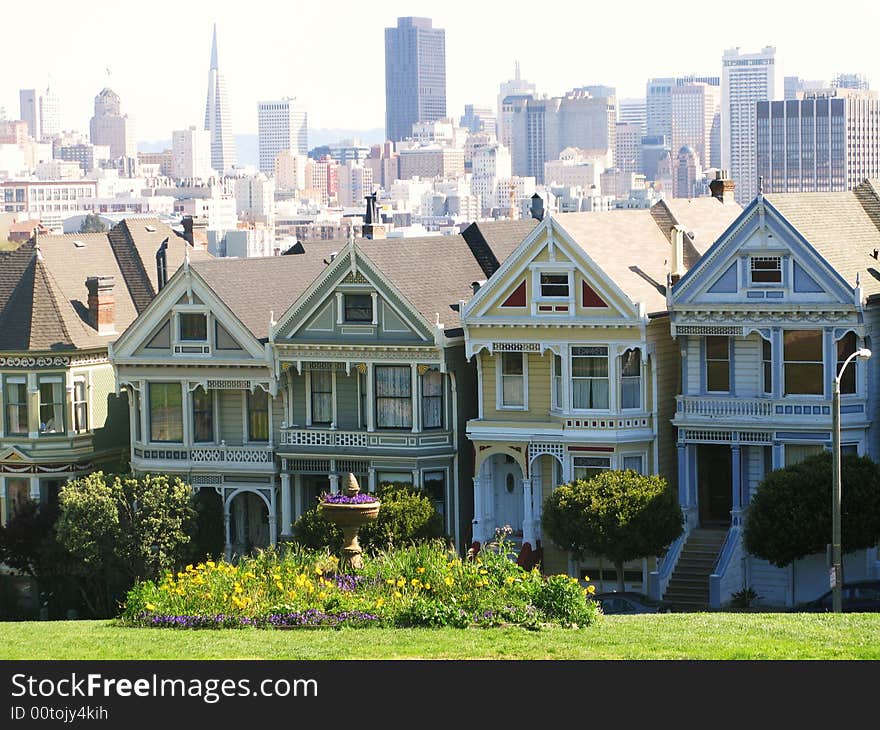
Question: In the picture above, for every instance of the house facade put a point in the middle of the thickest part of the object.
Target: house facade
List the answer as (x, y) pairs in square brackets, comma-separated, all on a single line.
[(576, 368), (63, 300), (266, 380), (763, 322)]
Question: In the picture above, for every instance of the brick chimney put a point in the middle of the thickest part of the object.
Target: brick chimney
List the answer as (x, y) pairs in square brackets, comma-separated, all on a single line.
[(102, 308), (722, 187), (676, 266), (372, 227)]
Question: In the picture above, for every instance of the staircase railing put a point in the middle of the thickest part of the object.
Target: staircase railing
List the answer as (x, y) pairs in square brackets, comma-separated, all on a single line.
[(659, 579), (722, 565)]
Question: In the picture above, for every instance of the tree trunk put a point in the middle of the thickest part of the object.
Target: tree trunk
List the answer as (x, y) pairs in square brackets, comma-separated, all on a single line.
[(618, 565)]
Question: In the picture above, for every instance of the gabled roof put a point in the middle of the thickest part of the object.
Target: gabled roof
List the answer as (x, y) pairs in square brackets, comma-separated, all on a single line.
[(703, 219), (43, 294), (434, 273), (493, 241)]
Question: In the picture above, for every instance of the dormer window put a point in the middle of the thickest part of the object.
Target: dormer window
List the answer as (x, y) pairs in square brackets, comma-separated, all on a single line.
[(766, 269), (193, 327), (554, 286), (358, 308)]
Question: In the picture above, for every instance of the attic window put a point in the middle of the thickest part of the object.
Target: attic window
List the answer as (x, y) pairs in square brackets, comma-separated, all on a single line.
[(554, 286), (766, 269), (78, 244), (150, 229)]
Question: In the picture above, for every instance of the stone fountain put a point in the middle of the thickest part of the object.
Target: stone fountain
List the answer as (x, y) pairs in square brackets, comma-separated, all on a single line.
[(349, 510)]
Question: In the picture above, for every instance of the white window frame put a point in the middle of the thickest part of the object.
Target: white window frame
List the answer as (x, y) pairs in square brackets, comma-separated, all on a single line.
[(499, 383), (767, 257), (602, 455), (784, 386), (553, 267), (611, 377), (557, 382), (642, 455), (176, 341), (447, 497), (620, 379), (77, 379), (53, 380), (15, 380)]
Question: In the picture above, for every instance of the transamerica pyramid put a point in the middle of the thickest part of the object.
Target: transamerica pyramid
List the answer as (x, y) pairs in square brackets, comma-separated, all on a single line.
[(217, 120)]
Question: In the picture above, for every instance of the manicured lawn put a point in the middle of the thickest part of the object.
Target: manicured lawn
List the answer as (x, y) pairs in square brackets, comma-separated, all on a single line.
[(667, 636)]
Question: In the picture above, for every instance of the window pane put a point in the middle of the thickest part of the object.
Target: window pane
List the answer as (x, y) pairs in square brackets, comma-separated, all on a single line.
[(16, 408), (194, 327), (512, 391), (258, 415), (803, 345), (589, 393), (51, 407), (358, 308), (166, 412), (803, 379), (511, 363), (322, 396), (803, 367), (203, 416), (846, 346), (718, 376), (717, 348), (432, 399), (589, 377), (81, 407), (435, 485), (554, 285), (633, 462), (393, 396)]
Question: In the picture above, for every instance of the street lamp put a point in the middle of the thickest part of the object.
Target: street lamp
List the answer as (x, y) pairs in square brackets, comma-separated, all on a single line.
[(836, 568)]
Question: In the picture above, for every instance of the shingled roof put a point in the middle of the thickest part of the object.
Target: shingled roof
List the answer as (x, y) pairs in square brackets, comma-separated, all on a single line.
[(43, 294)]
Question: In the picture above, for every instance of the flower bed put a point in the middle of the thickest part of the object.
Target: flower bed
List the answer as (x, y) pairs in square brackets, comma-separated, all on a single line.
[(341, 498), (421, 585)]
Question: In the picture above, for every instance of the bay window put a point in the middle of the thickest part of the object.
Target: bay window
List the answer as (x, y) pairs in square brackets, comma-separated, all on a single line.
[(634, 462), (393, 396), (717, 364), (16, 406), (322, 396), (557, 381), (586, 467), (258, 415), (512, 380), (203, 415), (166, 412), (767, 365), (802, 362), (631, 379), (51, 404), (589, 377), (846, 346), (432, 399)]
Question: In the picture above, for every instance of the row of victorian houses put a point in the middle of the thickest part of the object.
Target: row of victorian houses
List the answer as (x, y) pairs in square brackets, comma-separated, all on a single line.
[(697, 340)]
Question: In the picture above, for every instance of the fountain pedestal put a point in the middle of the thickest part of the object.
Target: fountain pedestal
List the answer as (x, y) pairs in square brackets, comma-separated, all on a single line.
[(349, 516)]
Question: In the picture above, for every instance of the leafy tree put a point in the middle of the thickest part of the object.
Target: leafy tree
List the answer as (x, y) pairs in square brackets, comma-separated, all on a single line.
[(621, 515), (789, 516), (92, 223), (407, 515), (122, 526), (27, 541)]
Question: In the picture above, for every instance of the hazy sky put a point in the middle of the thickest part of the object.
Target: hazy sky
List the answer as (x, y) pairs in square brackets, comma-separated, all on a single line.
[(331, 54)]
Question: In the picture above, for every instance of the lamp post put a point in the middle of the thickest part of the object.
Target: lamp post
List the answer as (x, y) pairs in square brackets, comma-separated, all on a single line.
[(836, 569)]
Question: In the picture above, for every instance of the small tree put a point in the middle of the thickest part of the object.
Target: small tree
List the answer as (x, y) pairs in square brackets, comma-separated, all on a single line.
[(27, 541), (621, 515), (121, 526), (789, 516), (92, 223)]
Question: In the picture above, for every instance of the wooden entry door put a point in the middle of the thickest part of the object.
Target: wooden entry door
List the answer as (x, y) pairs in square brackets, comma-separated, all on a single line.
[(715, 484), (509, 495)]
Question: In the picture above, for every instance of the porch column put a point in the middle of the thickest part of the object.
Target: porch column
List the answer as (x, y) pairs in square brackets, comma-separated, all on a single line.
[(35, 488), (778, 456), (371, 398), (33, 406), (144, 403), (297, 496), (69, 411), (416, 400), (682, 476), (477, 532), (528, 526), (334, 483), (371, 479), (227, 529), (415, 475), (537, 493), (736, 478), (286, 519)]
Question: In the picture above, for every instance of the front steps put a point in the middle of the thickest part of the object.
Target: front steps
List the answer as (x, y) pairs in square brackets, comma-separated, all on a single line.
[(688, 588)]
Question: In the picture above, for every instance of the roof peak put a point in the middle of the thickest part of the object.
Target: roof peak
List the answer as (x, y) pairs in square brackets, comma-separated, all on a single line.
[(214, 66)]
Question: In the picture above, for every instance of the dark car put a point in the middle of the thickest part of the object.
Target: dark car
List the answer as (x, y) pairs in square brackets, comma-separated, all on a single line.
[(623, 602), (856, 597)]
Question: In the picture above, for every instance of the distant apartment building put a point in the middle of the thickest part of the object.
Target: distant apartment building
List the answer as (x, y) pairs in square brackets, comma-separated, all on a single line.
[(384, 160), (13, 132), (576, 168), (322, 179), (687, 174), (191, 154), (348, 150), (255, 199), (109, 126), (88, 156), (794, 87), (40, 112), (633, 111), (828, 141), (431, 161), (856, 81), (164, 160), (478, 118), (50, 201), (281, 125), (290, 171), (746, 78), (355, 181), (415, 75), (628, 147), (218, 212), (696, 121), (489, 165), (658, 101)]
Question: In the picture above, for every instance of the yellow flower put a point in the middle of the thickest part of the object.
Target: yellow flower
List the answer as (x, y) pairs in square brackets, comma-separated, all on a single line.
[(151, 607), (292, 594), (483, 572), (401, 582), (189, 568), (380, 602), (587, 578), (398, 594), (591, 589), (280, 585), (322, 595), (318, 571), (465, 597), (390, 581), (427, 586), (211, 564), (509, 579), (449, 581), (415, 582), (420, 570)]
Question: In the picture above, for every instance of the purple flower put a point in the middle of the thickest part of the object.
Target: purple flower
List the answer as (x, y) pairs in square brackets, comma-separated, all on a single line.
[(341, 498)]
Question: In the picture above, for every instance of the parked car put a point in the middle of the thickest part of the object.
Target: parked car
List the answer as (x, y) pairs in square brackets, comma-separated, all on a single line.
[(856, 597), (624, 602)]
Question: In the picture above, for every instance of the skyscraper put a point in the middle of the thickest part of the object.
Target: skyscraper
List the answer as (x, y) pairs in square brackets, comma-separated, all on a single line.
[(746, 78), (415, 75), (191, 154), (695, 111), (828, 141), (29, 111), (110, 127), (217, 120), (50, 119), (282, 125), (517, 86)]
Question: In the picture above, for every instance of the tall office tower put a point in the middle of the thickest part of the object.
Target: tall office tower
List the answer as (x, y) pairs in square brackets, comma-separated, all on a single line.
[(695, 114), (517, 86), (282, 125), (478, 118), (633, 111), (354, 182), (746, 78), (415, 75), (794, 87), (50, 115), (191, 154), (29, 111), (109, 126), (628, 148), (850, 81), (829, 141), (217, 120), (686, 173), (658, 101)]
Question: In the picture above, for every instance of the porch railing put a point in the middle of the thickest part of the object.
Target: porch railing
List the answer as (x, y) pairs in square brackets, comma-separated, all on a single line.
[(723, 565), (659, 579)]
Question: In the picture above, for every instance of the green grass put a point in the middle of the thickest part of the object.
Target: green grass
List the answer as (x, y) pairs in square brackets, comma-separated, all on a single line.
[(664, 636)]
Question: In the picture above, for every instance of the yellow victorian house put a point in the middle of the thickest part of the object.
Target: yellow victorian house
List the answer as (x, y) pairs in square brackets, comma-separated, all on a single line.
[(577, 371)]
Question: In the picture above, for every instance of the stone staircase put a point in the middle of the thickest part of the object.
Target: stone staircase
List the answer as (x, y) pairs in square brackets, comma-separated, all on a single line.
[(688, 588)]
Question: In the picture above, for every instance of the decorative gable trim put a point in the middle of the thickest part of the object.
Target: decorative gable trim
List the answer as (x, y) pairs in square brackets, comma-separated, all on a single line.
[(589, 297), (517, 298)]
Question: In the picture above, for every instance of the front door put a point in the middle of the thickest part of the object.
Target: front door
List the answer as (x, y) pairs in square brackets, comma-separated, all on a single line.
[(509, 494), (715, 484)]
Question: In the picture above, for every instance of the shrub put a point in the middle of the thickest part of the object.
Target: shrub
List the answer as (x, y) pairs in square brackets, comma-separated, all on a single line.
[(789, 516)]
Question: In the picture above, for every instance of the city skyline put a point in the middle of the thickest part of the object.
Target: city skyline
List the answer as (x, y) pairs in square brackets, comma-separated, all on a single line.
[(160, 71)]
